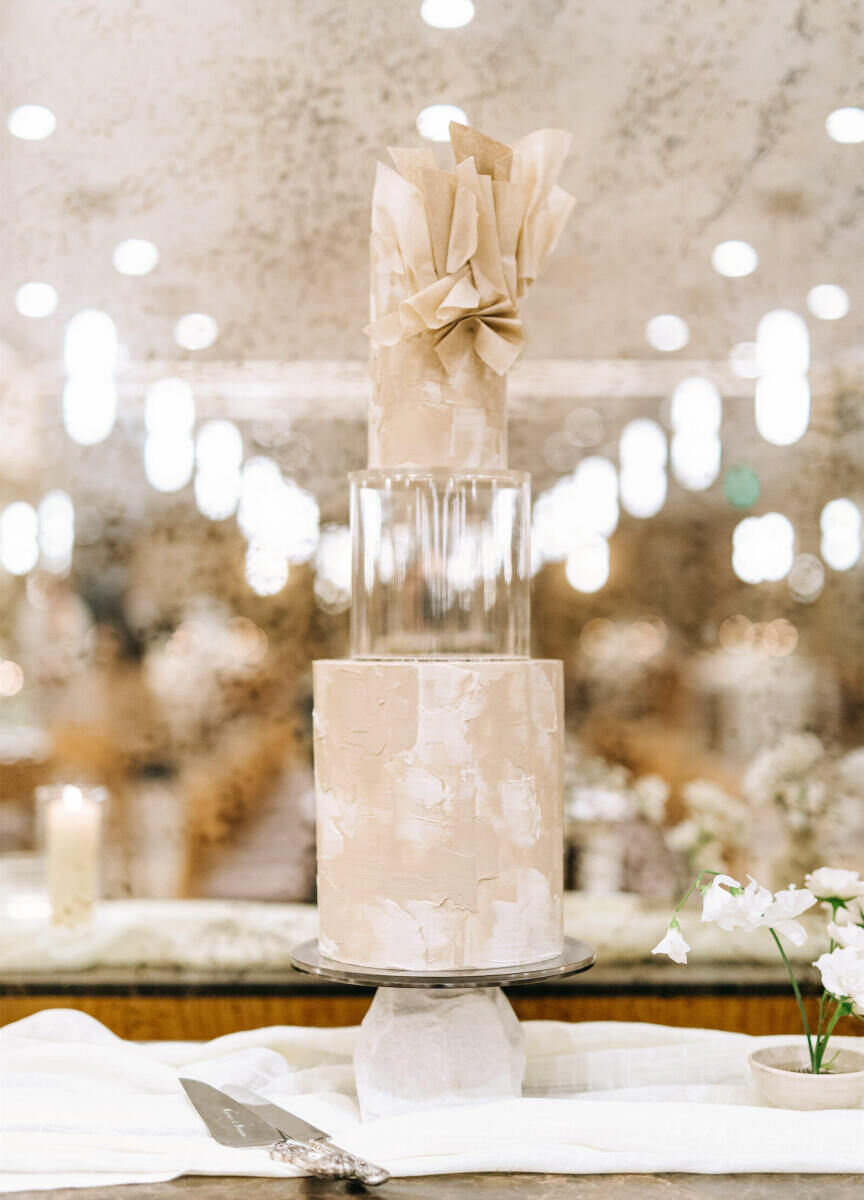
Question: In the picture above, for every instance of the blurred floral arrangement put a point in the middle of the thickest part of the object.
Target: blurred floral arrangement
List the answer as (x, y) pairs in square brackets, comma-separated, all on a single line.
[(714, 820), (598, 790), (817, 795), (798, 803), (608, 811)]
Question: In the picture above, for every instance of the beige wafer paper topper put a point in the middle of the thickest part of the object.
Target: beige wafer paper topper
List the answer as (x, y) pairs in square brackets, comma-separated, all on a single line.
[(452, 254)]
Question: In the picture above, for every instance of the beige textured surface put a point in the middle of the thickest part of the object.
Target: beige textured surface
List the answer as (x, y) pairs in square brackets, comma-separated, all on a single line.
[(439, 811), (243, 138), (421, 416)]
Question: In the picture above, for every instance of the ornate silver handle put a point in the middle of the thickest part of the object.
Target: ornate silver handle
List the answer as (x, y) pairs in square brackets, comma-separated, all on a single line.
[(328, 1161)]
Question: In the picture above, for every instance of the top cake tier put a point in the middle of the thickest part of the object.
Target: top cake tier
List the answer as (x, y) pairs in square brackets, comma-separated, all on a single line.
[(452, 254)]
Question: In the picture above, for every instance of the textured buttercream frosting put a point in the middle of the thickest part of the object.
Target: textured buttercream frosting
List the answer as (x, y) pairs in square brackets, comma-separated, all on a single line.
[(440, 811)]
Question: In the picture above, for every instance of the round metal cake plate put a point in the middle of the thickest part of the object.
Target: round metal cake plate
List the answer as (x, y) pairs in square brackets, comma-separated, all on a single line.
[(576, 957)]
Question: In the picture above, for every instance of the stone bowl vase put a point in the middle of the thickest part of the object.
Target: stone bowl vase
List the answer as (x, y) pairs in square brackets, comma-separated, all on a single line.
[(783, 1078)]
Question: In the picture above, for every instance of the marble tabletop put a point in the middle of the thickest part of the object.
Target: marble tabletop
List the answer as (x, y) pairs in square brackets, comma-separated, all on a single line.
[(499, 1187)]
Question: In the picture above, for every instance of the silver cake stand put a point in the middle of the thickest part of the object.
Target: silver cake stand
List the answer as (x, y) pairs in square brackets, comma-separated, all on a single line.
[(453, 1038), (576, 957)]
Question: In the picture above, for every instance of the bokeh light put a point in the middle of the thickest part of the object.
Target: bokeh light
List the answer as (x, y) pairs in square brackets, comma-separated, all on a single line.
[(696, 406), (19, 537), (806, 579), (447, 14), (782, 408), (217, 493), (642, 490), (31, 122), (90, 345), (587, 567), (169, 459), (735, 633), (36, 300), (642, 442), (642, 452), (840, 523), (56, 531), (11, 678), (763, 548), (667, 332), (169, 407), (219, 446), (696, 460), (846, 125), (782, 343), (266, 570), (89, 409), (135, 256), (734, 259), (744, 361), (580, 504), (828, 302), (741, 487), (433, 122), (196, 331)]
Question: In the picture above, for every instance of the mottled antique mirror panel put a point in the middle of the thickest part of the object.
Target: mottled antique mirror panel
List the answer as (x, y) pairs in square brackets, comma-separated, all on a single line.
[(173, 500)]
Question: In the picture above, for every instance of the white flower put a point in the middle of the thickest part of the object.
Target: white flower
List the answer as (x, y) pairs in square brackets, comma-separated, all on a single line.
[(742, 911), (850, 771), (718, 904), (651, 793), (756, 907), (673, 944), (787, 905), (842, 973), (847, 935), (852, 914), (835, 883), (684, 836), (785, 775)]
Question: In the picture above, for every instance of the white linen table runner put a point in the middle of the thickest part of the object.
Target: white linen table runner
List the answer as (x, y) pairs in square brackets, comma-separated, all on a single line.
[(80, 1107)]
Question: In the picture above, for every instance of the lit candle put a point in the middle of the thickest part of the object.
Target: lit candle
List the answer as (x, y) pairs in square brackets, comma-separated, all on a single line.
[(73, 834)]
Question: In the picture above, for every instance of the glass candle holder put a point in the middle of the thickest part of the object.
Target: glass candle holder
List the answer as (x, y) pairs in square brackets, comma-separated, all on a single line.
[(69, 829), (441, 563)]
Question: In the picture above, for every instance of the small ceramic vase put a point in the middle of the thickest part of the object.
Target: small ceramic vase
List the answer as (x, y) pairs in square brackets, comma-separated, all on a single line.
[(783, 1078)]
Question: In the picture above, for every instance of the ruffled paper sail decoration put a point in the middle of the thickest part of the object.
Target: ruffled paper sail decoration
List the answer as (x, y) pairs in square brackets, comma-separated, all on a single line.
[(452, 253)]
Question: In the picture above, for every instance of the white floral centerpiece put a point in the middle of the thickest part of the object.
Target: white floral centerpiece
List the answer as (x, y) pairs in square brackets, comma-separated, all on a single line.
[(732, 905), (817, 795), (712, 818), (604, 805)]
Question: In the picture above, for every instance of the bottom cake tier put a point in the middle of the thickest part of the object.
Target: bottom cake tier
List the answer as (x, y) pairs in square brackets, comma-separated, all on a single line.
[(440, 811)]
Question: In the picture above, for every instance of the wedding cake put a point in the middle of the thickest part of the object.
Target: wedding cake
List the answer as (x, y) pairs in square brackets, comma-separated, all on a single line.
[(438, 744)]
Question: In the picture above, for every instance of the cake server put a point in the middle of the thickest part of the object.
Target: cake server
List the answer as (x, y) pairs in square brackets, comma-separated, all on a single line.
[(234, 1122)]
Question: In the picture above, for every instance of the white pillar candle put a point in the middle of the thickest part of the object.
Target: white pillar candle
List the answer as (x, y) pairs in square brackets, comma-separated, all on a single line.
[(73, 834)]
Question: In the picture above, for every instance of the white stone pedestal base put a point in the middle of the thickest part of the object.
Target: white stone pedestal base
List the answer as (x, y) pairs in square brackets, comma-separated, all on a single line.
[(433, 1047)]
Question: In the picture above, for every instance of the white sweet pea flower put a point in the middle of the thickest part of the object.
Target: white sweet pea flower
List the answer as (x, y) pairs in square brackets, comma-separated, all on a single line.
[(755, 907), (842, 974), (673, 944), (781, 913), (852, 912), (742, 910), (833, 883), (848, 936), (718, 903)]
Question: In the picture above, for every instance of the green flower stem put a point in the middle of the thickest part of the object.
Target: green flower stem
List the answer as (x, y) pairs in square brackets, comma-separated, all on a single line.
[(832, 945), (692, 888), (820, 1023), (798, 998), (822, 1043)]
